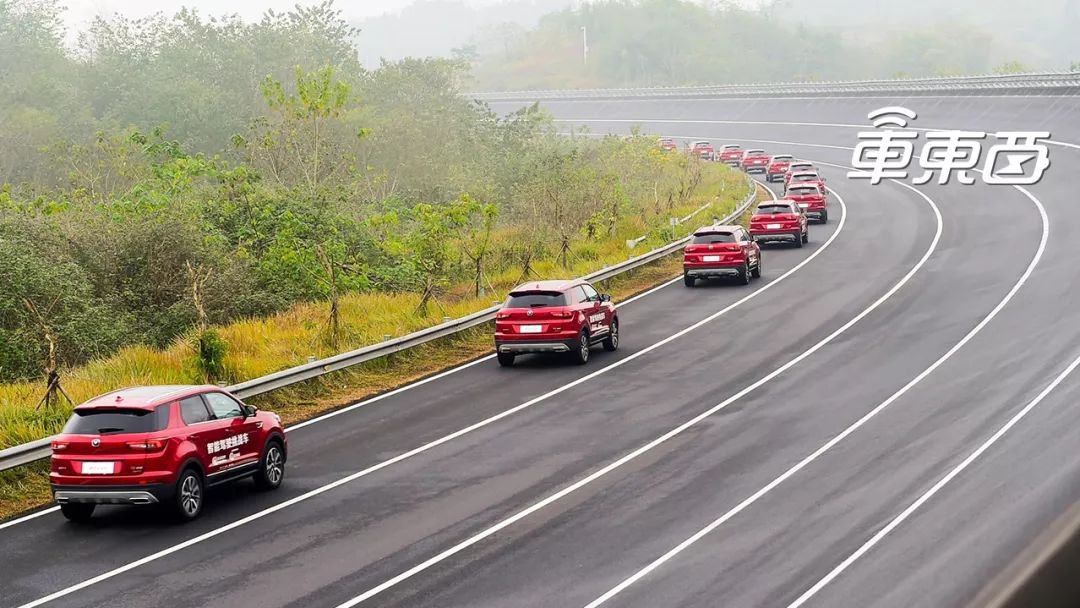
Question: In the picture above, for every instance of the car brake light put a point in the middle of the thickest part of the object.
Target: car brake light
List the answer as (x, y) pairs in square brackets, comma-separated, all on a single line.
[(58, 446), (146, 446), (562, 314), (502, 315)]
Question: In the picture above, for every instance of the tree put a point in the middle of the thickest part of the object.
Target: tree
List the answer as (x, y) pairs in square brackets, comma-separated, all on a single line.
[(476, 243)]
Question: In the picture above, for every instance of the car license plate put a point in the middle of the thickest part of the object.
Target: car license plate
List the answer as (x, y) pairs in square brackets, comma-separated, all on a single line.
[(529, 329), (98, 468), (804, 205), (710, 258), (772, 226)]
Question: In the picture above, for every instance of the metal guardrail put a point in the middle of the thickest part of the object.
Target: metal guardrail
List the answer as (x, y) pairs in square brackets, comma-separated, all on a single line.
[(1056, 82), (38, 450)]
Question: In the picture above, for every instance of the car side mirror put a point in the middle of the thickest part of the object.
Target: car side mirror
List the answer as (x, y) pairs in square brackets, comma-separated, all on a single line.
[(249, 410), (605, 297)]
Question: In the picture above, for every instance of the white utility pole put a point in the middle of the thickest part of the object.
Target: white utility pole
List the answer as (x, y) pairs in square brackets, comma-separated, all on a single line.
[(584, 46)]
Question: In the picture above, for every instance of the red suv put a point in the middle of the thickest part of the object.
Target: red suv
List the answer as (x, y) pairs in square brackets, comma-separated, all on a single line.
[(555, 317), (779, 221), (667, 144), (721, 251), (702, 149), (807, 177), (731, 154), (162, 445), (810, 198), (755, 160), (778, 166)]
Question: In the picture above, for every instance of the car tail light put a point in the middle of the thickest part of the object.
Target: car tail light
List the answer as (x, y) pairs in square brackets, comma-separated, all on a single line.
[(58, 446), (502, 315), (562, 314), (148, 445)]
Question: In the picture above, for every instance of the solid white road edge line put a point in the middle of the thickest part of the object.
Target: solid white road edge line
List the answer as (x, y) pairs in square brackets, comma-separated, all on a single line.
[(391, 393), (857, 424), (663, 438), (447, 438)]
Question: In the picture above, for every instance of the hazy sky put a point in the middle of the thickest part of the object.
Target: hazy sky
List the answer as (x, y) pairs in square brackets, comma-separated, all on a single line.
[(81, 12)]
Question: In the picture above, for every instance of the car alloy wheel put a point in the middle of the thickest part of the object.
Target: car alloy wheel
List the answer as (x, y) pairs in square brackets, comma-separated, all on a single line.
[(584, 346), (190, 495), (275, 464)]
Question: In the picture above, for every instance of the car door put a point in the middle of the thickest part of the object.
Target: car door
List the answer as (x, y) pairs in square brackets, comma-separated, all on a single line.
[(748, 247), (239, 446), (202, 430), (599, 316)]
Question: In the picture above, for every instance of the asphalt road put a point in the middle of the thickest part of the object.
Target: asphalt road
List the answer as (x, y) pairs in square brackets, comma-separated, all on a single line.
[(744, 446)]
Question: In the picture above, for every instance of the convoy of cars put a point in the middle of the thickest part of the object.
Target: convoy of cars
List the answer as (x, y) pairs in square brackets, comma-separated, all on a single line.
[(165, 445)]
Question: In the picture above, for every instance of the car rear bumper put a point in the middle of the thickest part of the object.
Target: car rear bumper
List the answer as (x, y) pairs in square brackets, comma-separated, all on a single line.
[(775, 237), (700, 272), (538, 345), (113, 495)]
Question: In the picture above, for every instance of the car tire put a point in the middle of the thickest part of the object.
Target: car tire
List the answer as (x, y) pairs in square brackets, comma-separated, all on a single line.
[(271, 466), (611, 343), (806, 235), (756, 272), (505, 359), (78, 512), (744, 274), (580, 354), (189, 496), (798, 240), (688, 280)]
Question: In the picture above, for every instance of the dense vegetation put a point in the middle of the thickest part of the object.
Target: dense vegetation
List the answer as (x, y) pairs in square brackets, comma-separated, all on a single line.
[(683, 42), (176, 174)]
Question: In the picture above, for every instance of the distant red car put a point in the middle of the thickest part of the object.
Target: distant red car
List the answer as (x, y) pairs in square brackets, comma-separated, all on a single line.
[(811, 199), (162, 444), (555, 317), (779, 221), (668, 145), (703, 150), (731, 154), (807, 177), (778, 166), (754, 161), (796, 167), (721, 251)]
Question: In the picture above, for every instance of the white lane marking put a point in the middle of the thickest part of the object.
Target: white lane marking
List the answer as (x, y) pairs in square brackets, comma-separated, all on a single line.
[(899, 519), (386, 395), (658, 441), (937, 487), (767, 123), (447, 438), (857, 424), (34, 515)]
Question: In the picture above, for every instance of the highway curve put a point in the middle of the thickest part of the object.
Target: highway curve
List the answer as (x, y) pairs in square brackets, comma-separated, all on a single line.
[(927, 317)]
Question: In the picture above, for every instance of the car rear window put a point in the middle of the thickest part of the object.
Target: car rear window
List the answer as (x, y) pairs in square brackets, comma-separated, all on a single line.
[(536, 299), (713, 237), (110, 421), (804, 190), (773, 209)]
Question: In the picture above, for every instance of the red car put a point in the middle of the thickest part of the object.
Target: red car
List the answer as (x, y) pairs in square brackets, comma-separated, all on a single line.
[(812, 200), (555, 317), (796, 167), (731, 154), (778, 167), (721, 251), (780, 221), (755, 161), (703, 150), (807, 177), (668, 145), (162, 445)]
